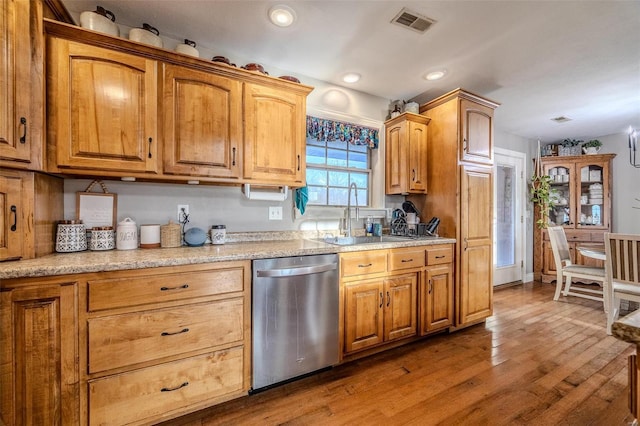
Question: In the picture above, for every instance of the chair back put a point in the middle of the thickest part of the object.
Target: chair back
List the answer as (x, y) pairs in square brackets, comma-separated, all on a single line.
[(559, 246), (623, 258)]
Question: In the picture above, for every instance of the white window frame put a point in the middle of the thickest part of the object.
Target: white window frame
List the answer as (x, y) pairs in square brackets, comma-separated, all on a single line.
[(376, 184)]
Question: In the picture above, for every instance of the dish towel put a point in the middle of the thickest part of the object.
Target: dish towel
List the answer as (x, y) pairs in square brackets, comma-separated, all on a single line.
[(302, 196)]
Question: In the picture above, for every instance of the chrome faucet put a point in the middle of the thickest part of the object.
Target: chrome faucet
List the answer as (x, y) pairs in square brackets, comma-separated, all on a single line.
[(353, 185)]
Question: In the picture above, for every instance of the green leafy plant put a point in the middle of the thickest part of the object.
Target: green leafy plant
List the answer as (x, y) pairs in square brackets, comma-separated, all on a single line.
[(541, 195), (593, 143)]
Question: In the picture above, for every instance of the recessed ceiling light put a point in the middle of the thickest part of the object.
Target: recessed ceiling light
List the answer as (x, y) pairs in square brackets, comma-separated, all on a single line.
[(282, 15), (435, 75), (351, 77)]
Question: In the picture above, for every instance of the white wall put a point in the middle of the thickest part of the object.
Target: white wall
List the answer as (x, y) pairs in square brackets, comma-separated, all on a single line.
[(626, 184)]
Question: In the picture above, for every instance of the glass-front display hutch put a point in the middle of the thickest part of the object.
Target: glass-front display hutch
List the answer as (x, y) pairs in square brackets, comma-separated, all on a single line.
[(581, 196)]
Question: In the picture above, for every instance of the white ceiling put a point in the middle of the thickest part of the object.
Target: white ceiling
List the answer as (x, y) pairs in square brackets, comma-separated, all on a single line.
[(539, 59)]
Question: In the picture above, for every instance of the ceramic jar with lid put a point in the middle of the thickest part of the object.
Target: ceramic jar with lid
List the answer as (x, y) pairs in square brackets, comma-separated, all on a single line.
[(218, 234), (127, 235), (102, 238), (71, 236)]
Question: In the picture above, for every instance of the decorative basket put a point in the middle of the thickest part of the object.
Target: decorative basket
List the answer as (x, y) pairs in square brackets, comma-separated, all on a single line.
[(564, 151), (170, 235)]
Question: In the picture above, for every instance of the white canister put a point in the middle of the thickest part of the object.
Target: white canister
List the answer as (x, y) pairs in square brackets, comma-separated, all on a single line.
[(412, 107), (218, 234), (188, 48), (127, 235), (149, 236)]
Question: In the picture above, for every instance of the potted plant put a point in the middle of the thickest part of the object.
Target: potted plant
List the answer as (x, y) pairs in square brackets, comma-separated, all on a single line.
[(541, 192), (591, 147)]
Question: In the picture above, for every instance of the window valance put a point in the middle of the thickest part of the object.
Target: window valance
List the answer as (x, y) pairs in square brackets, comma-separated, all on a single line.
[(331, 131)]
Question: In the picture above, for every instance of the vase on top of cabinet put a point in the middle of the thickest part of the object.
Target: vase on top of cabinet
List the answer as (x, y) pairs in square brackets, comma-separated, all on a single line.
[(581, 193)]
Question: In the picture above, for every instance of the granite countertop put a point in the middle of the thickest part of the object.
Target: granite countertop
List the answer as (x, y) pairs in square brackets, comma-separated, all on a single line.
[(114, 260), (627, 328)]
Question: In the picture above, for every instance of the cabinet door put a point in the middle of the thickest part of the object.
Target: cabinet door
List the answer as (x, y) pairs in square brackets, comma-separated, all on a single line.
[(417, 157), (436, 298), (39, 367), (395, 170), (16, 120), (593, 194), (475, 298), (102, 108), (202, 123), (13, 217), (476, 132), (400, 310), (274, 134), (363, 314), (563, 187)]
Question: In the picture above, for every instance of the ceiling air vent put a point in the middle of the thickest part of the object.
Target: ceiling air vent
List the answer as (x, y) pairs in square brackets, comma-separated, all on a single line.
[(413, 21), (561, 119)]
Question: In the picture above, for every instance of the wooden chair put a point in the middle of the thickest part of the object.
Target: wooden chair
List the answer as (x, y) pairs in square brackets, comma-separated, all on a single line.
[(565, 268), (623, 272)]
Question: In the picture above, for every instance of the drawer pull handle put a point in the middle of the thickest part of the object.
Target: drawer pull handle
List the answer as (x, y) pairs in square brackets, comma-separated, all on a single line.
[(407, 260), (440, 257), (365, 266), (23, 122), (174, 288), (381, 299), (176, 388), (14, 211), (166, 333)]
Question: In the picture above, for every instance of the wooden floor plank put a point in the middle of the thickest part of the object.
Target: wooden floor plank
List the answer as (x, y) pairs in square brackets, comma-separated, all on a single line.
[(534, 362)]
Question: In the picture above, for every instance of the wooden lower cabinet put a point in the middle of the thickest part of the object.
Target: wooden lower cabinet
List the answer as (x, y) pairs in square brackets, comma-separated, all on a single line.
[(38, 354), (380, 310), (165, 389), (164, 342), (389, 295), (124, 347)]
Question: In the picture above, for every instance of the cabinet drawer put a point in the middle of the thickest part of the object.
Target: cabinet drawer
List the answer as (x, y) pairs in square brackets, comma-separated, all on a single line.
[(150, 392), (406, 258), (132, 291), (120, 340), (363, 263), (572, 235), (439, 254)]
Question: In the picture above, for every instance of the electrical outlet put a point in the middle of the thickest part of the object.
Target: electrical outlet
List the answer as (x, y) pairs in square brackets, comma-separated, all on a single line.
[(275, 213), (183, 209)]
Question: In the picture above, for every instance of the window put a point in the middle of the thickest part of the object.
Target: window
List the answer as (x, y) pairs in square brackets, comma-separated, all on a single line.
[(333, 162)]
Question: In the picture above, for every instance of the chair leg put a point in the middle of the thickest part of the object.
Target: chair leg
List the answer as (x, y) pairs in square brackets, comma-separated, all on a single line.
[(558, 285), (567, 286), (614, 311)]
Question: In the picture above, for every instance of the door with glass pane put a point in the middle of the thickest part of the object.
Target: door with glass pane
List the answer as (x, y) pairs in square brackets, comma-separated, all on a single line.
[(508, 216), (593, 189)]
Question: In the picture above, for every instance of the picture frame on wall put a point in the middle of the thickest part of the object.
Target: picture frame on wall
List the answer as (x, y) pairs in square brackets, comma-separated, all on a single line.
[(96, 209)]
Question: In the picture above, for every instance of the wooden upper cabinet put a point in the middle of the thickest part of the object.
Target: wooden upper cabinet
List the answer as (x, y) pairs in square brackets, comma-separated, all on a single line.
[(274, 132), (476, 132), (20, 88), (406, 154), (202, 123), (102, 107)]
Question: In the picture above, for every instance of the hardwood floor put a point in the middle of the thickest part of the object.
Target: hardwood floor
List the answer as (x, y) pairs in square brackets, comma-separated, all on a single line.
[(535, 362)]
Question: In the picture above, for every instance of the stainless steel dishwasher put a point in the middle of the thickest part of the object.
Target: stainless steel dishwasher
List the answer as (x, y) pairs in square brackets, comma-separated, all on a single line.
[(295, 317)]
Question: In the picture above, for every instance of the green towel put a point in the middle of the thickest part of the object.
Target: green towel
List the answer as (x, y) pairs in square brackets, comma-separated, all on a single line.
[(302, 196)]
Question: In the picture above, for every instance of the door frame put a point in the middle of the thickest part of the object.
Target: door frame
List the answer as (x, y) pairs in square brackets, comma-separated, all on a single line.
[(521, 199)]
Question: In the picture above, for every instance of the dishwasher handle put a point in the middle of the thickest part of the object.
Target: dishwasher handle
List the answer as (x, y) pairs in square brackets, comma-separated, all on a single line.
[(296, 271)]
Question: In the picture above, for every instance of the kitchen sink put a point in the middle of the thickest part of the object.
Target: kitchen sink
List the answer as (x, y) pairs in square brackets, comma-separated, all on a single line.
[(351, 241)]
